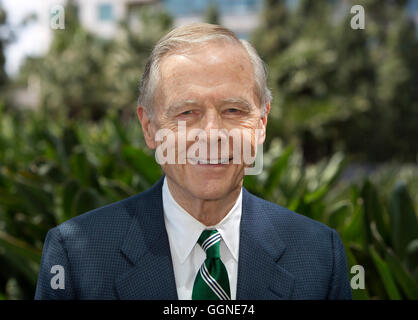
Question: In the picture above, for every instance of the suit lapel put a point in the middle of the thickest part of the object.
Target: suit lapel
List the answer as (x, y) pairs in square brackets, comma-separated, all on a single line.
[(147, 248), (151, 276), (260, 275)]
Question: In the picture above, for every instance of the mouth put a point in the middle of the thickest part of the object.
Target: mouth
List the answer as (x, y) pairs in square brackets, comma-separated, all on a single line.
[(210, 162)]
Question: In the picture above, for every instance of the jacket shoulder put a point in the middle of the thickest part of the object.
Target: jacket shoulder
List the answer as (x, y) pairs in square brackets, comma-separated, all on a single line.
[(107, 222), (99, 217), (314, 253)]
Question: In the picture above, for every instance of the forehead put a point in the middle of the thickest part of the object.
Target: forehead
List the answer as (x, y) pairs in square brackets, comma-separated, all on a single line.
[(207, 70)]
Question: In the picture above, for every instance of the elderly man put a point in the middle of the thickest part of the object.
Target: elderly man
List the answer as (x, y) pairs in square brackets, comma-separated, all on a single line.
[(196, 234)]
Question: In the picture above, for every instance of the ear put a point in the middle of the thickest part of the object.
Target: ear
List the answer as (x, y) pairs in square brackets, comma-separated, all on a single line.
[(148, 127), (263, 125)]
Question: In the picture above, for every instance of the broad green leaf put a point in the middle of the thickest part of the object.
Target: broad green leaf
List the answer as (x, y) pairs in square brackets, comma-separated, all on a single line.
[(373, 210), (86, 199), (144, 164), (276, 171), (250, 183), (332, 169), (69, 139), (326, 178), (119, 130), (385, 275), (406, 281), (11, 201), (21, 255), (20, 247), (35, 199), (52, 172), (81, 168), (57, 147), (317, 194), (116, 190), (404, 224), (338, 214), (411, 259), (69, 192), (353, 232)]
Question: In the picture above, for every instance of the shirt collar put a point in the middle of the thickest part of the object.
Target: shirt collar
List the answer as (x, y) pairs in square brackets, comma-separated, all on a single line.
[(184, 230)]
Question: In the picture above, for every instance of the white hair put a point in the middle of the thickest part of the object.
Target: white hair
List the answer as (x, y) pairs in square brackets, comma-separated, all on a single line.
[(184, 36)]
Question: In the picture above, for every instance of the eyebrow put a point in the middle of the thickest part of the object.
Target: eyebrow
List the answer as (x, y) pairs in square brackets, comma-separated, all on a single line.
[(237, 100), (234, 100), (180, 104)]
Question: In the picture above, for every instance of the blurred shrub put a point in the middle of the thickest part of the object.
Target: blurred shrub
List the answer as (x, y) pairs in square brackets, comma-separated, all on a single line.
[(379, 230), (335, 88), (51, 172), (341, 89), (82, 75)]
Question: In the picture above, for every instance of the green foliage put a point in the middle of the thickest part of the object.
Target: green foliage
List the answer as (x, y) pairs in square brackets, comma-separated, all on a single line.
[(341, 89), (3, 40), (212, 14), (83, 75), (379, 232), (335, 89), (51, 172)]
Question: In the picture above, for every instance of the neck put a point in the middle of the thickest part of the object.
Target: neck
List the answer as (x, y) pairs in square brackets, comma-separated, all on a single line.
[(207, 211)]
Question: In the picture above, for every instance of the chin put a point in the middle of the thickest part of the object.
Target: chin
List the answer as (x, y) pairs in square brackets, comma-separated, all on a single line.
[(205, 184), (209, 190)]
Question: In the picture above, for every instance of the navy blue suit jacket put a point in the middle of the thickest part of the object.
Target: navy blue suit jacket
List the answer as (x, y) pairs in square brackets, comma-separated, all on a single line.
[(121, 251)]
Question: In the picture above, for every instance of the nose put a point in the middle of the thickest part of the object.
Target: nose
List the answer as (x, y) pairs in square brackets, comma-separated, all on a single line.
[(216, 134), (213, 126), (211, 120)]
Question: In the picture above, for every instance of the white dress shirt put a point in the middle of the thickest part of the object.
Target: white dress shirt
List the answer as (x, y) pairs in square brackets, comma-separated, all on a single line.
[(183, 232)]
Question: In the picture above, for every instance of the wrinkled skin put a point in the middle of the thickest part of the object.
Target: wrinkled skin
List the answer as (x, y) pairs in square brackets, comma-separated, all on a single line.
[(209, 86)]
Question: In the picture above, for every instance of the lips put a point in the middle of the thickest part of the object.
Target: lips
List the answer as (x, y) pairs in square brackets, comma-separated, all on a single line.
[(209, 161)]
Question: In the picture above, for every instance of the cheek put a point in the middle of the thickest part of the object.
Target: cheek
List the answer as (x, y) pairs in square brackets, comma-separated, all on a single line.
[(250, 123), (253, 134), (168, 123)]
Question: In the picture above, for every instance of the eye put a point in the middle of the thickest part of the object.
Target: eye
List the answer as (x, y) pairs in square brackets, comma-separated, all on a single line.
[(186, 113), (233, 111)]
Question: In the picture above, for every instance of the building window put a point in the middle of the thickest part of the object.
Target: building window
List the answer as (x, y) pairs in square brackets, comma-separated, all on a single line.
[(105, 12)]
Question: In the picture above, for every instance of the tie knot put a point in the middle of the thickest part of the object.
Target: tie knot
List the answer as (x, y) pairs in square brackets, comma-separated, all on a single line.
[(209, 241)]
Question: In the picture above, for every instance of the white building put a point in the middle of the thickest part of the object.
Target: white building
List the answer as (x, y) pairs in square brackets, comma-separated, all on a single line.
[(102, 16), (98, 16)]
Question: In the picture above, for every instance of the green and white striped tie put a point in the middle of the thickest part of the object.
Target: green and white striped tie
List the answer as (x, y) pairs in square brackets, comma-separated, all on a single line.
[(211, 281)]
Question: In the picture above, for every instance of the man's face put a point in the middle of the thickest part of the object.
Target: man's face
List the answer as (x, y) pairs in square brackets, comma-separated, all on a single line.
[(210, 86)]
